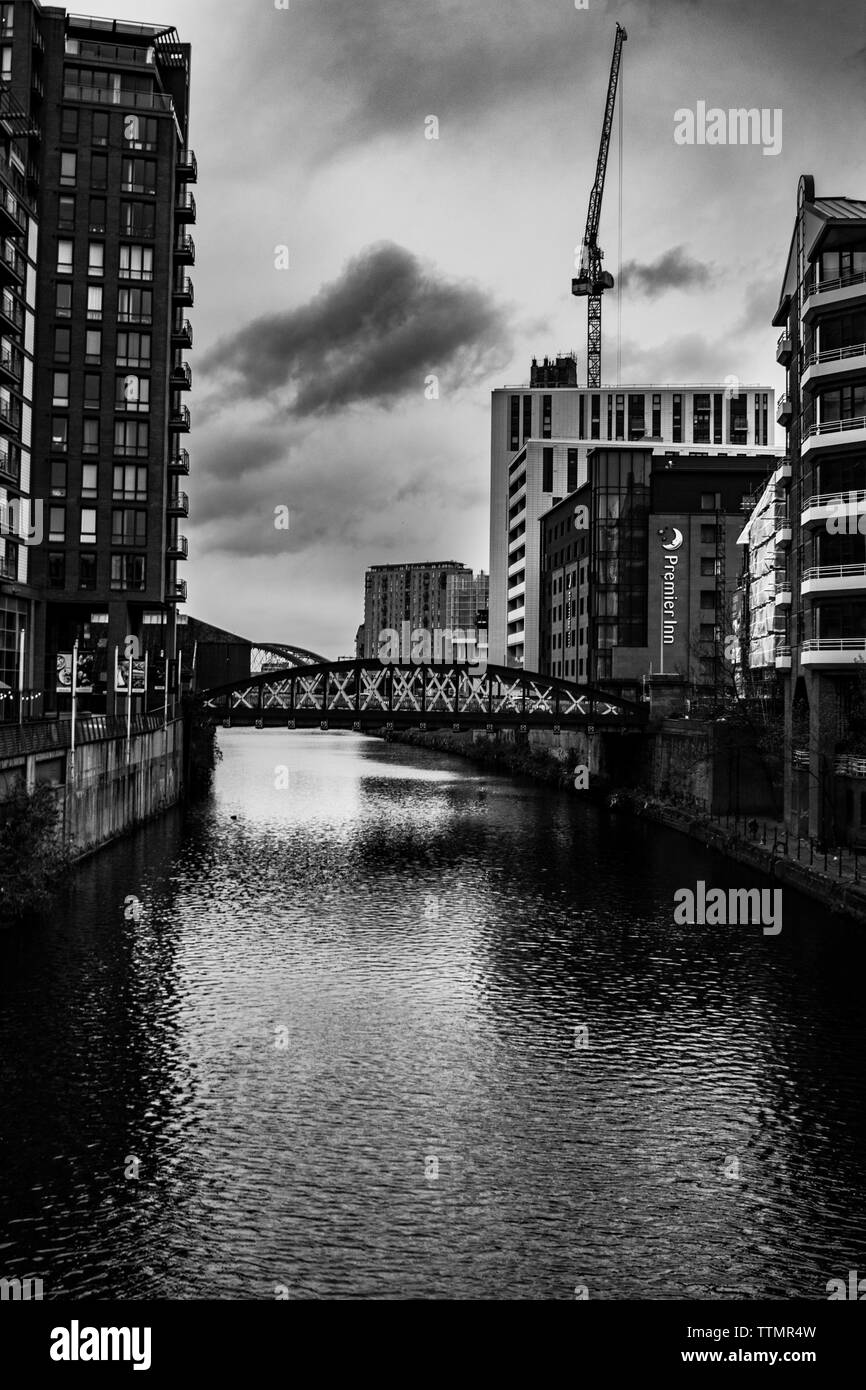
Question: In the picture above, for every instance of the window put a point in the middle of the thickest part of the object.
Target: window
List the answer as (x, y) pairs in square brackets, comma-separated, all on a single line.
[(66, 213), (657, 417), (137, 219), (89, 480), (94, 302), (63, 302), (96, 258), (136, 306), (708, 599), (701, 418), (64, 258), (138, 176), (96, 218), (708, 535), (62, 341), (527, 418), (140, 132), (69, 123), (100, 127), (571, 484), (708, 501), (131, 438), (59, 434), (99, 172), (547, 470), (581, 405), (708, 565), (88, 526), (87, 571), (7, 18), (128, 527), (93, 347), (61, 389), (90, 439), (127, 572), (546, 413), (708, 632), (6, 63), (620, 417), (58, 477), (132, 393), (677, 431), (57, 523), (739, 419), (636, 418), (56, 570), (515, 423), (68, 168), (133, 349), (130, 482), (595, 418), (136, 262), (717, 418), (92, 385)]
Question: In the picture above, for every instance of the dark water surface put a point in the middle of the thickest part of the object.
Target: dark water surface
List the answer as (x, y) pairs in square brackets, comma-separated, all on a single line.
[(340, 988)]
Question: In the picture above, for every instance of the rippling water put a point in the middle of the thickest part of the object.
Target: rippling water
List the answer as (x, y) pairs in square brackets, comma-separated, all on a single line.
[(339, 1052)]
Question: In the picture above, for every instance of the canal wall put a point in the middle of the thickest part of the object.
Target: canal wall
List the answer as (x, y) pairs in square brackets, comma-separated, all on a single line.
[(109, 786)]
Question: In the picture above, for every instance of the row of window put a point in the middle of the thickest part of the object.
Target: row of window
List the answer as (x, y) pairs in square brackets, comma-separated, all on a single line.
[(129, 481), (131, 437), (136, 262), (136, 219), (128, 526), (139, 132), (127, 571), (137, 175), (133, 306), (707, 419), (133, 348), (132, 393)]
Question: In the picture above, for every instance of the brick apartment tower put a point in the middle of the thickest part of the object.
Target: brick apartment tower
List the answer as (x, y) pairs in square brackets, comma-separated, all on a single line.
[(101, 158)]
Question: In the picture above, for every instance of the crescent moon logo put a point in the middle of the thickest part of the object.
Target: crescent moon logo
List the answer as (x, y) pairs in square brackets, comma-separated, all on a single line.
[(676, 542)]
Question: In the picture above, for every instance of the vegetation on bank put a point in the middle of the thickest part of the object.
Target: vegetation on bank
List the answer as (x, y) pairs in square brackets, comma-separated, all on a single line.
[(33, 860), (203, 753)]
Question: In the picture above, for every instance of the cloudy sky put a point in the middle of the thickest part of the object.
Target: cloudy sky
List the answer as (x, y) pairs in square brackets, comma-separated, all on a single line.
[(410, 257)]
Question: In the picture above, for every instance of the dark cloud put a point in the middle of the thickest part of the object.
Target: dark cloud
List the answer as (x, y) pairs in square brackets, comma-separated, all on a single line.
[(374, 335), (761, 301), (674, 270)]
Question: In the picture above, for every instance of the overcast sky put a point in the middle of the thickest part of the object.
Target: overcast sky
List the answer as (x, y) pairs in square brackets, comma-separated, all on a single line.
[(411, 257)]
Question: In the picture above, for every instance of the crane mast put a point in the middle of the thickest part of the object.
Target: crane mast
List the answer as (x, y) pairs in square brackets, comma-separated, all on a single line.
[(592, 279)]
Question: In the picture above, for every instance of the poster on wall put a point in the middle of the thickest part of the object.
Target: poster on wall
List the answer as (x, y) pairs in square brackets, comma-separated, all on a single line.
[(85, 675), (121, 677)]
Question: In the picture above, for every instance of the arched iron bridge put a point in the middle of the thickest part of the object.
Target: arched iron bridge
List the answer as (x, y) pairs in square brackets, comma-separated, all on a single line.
[(366, 694)]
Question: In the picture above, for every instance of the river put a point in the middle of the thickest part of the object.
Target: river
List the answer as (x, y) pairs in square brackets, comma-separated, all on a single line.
[(371, 1022)]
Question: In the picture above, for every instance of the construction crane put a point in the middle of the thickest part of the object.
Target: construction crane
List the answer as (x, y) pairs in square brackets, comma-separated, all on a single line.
[(592, 279)]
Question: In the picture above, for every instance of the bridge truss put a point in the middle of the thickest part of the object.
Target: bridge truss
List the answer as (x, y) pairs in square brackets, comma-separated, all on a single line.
[(367, 694)]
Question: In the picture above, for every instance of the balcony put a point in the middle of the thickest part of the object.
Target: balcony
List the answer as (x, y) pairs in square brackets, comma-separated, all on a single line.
[(178, 504), (108, 96), (783, 658), (178, 549), (182, 291), (849, 291), (37, 86), (782, 596), (181, 334), (844, 509), (835, 434), (179, 463), (11, 217), (783, 350), (180, 378), (12, 263), (836, 364), (175, 591), (11, 313), (184, 251), (782, 473), (184, 208), (10, 464), (10, 364), (783, 411), (179, 419), (833, 579), (186, 168), (833, 653), (783, 535), (10, 416)]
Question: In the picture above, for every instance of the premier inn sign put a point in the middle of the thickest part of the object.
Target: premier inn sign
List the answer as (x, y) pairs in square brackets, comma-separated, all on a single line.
[(672, 539)]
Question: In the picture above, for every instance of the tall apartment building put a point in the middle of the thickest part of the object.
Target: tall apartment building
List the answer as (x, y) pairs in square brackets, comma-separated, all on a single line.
[(640, 565), (429, 594), (763, 601), (822, 315), (108, 169), (540, 439)]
